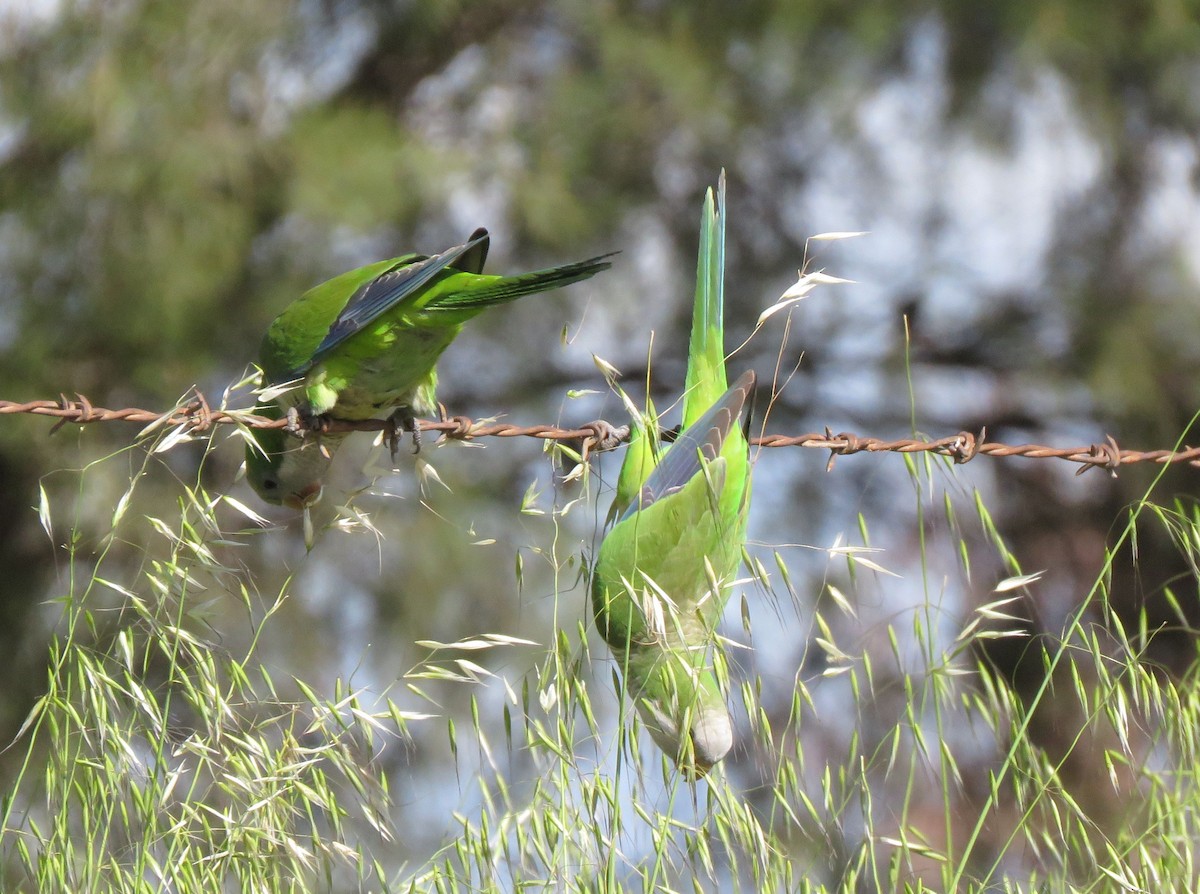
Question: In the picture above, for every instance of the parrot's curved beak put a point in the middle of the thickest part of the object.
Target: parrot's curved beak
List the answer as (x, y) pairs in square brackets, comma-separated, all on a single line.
[(303, 498)]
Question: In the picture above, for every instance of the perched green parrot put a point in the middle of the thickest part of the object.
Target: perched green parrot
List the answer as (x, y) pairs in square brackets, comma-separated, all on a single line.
[(664, 570), (368, 341)]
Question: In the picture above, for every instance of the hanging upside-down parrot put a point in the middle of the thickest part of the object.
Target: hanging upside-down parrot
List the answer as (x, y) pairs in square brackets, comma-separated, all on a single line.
[(368, 341), (665, 569)]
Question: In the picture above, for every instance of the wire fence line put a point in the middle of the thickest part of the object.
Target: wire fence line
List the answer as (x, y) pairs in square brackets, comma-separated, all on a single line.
[(600, 435)]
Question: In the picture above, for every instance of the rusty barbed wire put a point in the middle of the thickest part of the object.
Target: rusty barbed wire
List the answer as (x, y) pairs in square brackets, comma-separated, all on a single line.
[(599, 435)]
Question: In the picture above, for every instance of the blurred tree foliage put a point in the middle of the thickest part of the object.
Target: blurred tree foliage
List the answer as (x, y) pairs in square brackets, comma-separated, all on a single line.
[(155, 151), (172, 173)]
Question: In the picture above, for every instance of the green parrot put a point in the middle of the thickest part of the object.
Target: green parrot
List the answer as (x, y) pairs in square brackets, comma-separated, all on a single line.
[(664, 570), (368, 341)]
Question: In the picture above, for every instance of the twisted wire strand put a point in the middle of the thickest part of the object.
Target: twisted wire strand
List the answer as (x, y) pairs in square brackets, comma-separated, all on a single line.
[(600, 435)]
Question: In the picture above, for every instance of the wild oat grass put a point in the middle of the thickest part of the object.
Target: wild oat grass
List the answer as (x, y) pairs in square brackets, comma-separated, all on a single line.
[(166, 755)]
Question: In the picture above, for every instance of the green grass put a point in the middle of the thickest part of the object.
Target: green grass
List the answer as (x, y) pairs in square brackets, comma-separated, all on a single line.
[(167, 754)]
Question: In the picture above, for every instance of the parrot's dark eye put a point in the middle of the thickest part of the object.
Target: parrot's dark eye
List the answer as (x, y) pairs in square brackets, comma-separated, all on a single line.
[(270, 484)]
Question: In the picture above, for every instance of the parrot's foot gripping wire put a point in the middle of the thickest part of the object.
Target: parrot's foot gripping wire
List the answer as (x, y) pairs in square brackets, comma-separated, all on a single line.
[(402, 420), (300, 423)]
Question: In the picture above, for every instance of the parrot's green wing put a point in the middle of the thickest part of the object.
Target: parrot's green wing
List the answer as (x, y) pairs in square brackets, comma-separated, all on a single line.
[(663, 572), (701, 443), (374, 298)]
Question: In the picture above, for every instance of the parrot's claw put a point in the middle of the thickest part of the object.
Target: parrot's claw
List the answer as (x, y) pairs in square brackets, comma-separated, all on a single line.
[(300, 423), (401, 420)]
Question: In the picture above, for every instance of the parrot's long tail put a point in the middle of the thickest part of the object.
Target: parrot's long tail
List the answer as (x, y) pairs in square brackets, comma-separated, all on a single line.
[(706, 380), (510, 288)]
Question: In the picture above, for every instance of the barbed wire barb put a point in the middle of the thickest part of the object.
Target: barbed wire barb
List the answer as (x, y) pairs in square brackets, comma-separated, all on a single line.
[(599, 435)]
